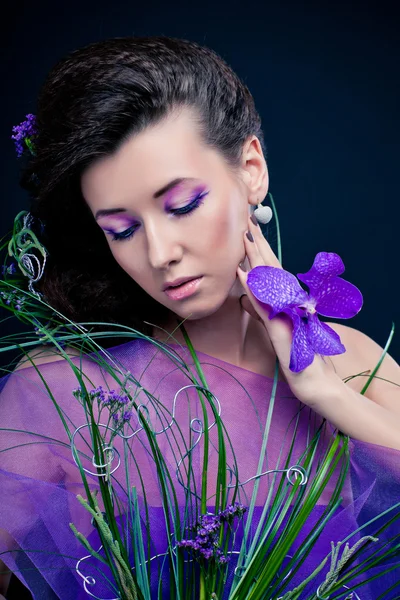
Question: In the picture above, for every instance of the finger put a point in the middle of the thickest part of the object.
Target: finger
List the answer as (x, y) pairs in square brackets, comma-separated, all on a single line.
[(262, 310), (265, 250), (252, 251)]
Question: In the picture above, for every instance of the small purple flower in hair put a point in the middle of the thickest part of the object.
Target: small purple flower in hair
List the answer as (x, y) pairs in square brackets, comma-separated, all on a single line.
[(23, 134), (329, 295)]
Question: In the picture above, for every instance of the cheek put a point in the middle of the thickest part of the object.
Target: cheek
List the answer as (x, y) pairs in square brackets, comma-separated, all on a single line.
[(225, 234), (216, 238)]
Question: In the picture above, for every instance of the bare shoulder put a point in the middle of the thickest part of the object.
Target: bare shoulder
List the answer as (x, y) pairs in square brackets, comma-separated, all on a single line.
[(42, 355), (361, 357), (5, 576)]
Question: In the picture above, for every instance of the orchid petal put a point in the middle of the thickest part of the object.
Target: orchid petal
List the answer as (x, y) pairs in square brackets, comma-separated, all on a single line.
[(339, 299), (276, 287), (302, 353), (325, 266), (335, 297), (323, 339)]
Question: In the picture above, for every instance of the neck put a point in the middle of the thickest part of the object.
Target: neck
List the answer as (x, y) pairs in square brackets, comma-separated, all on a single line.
[(230, 334)]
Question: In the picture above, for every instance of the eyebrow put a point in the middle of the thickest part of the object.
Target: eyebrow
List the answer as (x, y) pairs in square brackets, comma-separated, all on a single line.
[(113, 211)]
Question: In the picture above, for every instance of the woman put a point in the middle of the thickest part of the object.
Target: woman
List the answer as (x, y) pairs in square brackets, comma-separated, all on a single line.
[(148, 165)]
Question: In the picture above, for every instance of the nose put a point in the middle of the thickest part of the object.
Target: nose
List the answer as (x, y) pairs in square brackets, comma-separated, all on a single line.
[(163, 246)]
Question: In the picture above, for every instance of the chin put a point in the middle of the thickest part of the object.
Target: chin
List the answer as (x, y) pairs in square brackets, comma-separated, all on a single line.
[(200, 309)]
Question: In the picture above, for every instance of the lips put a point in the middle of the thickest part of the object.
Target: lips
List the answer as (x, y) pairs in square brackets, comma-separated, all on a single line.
[(184, 290), (178, 282)]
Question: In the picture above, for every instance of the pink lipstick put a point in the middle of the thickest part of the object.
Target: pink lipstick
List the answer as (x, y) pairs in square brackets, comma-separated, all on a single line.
[(184, 290)]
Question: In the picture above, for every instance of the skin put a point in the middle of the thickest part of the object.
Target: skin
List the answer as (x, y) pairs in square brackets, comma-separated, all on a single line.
[(209, 241)]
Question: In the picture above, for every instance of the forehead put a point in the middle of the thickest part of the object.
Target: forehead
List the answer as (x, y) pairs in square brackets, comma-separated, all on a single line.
[(147, 161)]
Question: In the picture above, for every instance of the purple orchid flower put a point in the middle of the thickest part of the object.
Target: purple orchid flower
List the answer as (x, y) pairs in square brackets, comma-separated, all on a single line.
[(329, 295)]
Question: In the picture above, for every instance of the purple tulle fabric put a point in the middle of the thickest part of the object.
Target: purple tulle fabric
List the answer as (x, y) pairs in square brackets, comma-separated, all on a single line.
[(39, 479)]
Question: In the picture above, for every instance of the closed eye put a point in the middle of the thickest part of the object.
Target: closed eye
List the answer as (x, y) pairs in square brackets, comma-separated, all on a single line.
[(179, 212), (123, 235)]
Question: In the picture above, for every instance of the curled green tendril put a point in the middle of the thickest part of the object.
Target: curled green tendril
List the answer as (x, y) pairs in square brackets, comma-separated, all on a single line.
[(23, 241)]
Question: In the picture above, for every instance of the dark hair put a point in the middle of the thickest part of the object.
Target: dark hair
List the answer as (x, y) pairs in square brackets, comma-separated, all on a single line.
[(92, 101)]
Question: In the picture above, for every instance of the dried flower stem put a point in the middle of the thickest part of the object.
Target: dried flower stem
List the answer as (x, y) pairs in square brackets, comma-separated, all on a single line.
[(127, 582)]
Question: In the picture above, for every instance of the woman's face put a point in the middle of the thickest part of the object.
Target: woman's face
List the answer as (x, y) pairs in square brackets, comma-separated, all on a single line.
[(136, 196)]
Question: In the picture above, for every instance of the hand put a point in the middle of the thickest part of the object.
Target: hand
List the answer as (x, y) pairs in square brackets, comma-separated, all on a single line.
[(317, 378)]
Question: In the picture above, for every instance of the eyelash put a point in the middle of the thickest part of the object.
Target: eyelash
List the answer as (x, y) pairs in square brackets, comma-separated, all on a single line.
[(180, 212)]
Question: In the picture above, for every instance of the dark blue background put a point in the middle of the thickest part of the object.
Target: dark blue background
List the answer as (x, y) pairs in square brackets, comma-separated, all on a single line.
[(325, 80)]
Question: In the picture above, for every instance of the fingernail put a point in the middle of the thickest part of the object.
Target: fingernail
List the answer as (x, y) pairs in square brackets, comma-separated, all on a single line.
[(249, 236), (253, 218)]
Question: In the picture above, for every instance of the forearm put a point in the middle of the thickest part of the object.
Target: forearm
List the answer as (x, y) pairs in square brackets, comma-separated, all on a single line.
[(358, 416)]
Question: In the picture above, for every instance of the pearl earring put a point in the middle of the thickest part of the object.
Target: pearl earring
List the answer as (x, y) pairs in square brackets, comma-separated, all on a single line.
[(263, 214)]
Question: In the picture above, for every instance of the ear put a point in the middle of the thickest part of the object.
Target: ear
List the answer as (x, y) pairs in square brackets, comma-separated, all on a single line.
[(254, 170)]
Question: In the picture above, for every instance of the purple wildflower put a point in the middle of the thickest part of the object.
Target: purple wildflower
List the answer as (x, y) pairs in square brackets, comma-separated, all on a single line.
[(97, 394), (23, 134), (232, 511), (116, 403), (8, 269), (205, 544), (13, 298), (113, 396), (329, 295), (127, 416), (121, 418), (114, 399)]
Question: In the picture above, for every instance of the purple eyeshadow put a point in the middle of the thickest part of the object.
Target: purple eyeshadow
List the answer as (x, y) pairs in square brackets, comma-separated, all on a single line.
[(185, 195), (120, 222)]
